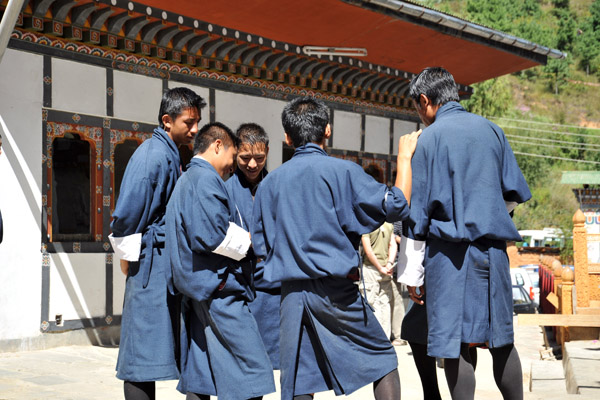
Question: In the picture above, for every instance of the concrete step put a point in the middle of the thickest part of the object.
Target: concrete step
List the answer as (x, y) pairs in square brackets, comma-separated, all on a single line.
[(581, 363), (547, 377)]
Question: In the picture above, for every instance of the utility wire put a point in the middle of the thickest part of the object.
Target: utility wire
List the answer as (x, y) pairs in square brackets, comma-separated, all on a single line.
[(553, 146), (591, 145), (553, 132), (555, 158)]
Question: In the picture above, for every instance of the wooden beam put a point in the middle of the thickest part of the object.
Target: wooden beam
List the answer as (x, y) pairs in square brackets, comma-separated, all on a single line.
[(591, 321)]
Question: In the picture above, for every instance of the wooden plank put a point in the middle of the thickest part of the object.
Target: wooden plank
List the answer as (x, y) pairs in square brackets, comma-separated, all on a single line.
[(588, 311), (593, 268), (592, 321), (552, 299)]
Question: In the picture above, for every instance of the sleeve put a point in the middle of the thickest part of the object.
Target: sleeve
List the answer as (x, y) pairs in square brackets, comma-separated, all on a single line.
[(410, 268), (127, 247), (417, 226), (236, 243), (514, 186), (211, 229), (131, 217), (259, 241), (373, 203)]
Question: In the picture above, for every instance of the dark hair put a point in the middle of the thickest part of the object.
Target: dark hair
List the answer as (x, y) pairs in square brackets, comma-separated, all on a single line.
[(250, 133), (436, 83), (175, 100), (304, 119), (375, 171), (210, 133)]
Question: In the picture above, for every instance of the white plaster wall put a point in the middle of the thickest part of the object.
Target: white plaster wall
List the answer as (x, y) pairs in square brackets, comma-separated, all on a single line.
[(235, 109), (20, 194), (402, 128), (118, 287), (78, 87), (77, 286), (136, 97), (346, 131), (377, 135)]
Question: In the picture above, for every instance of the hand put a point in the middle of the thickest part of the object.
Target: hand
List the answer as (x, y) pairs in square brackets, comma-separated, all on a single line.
[(387, 269), (408, 144), (417, 298), (125, 267)]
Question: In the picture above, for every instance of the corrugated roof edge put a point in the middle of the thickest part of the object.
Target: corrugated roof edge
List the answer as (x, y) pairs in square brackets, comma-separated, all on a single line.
[(453, 22), (580, 177)]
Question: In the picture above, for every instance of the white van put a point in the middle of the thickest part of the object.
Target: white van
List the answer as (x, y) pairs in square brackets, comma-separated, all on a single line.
[(520, 276)]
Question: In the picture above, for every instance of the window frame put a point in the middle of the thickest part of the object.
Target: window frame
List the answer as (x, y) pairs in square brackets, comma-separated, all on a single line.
[(103, 133)]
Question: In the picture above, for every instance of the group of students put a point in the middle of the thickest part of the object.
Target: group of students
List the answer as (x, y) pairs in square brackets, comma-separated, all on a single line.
[(230, 279)]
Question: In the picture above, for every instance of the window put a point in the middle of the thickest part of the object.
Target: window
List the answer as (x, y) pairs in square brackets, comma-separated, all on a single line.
[(84, 160), (71, 188)]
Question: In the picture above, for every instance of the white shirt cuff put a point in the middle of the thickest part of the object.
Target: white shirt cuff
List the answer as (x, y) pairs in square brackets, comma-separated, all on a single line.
[(236, 243), (127, 247), (410, 262)]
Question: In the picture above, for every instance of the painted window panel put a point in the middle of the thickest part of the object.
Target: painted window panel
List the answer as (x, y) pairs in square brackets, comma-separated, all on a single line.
[(346, 131), (377, 135)]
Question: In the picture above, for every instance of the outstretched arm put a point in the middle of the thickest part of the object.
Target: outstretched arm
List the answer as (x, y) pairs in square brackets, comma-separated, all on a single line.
[(406, 149)]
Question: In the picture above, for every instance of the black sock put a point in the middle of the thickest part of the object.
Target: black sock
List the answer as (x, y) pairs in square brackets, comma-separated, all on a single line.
[(507, 372), (473, 355), (427, 371), (304, 397), (460, 375), (388, 387), (139, 390)]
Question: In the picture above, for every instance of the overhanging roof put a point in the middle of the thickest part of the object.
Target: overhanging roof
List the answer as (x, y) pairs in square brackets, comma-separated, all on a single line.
[(259, 43), (407, 40)]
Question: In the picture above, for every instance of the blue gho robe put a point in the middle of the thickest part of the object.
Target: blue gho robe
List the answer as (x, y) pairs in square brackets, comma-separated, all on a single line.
[(222, 352), (309, 215), (147, 345), (464, 176), (265, 306)]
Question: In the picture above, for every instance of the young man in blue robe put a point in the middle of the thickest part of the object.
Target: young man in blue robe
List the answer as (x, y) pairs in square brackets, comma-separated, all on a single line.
[(242, 185), (309, 215), (466, 181), (150, 313), (207, 242)]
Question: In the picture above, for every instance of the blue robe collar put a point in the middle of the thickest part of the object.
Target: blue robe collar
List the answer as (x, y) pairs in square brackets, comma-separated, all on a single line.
[(449, 108), (309, 149), (161, 135), (202, 163)]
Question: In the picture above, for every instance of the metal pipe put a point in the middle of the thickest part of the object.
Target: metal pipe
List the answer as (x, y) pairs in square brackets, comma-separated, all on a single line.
[(9, 19)]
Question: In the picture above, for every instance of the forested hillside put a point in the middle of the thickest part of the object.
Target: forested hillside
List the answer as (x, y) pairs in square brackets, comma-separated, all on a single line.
[(550, 114)]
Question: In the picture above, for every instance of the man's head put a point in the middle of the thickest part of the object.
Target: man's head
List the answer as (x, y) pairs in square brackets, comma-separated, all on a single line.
[(430, 90), (217, 144), (252, 151), (305, 120), (180, 113)]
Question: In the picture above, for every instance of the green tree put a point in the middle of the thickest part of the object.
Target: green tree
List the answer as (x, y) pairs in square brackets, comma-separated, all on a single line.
[(490, 98), (558, 72)]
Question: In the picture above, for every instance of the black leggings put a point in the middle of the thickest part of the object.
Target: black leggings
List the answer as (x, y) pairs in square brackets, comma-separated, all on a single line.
[(139, 390), (427, 371), (460, 373)]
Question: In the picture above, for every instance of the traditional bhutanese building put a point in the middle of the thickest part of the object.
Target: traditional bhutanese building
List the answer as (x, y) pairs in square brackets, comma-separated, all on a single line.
[(80, 89)]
